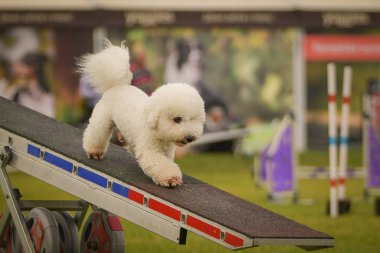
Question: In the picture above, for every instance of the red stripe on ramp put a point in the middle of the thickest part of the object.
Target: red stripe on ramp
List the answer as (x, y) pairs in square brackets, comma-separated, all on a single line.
[(233, 240), (203, 227), (165, 209), (135, 196)]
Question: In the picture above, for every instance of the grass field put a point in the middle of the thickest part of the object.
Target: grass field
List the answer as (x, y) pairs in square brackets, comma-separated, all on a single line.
[(358, 231)]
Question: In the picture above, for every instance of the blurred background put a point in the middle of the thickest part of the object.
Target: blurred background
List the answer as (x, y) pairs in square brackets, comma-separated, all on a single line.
[(253, 62)]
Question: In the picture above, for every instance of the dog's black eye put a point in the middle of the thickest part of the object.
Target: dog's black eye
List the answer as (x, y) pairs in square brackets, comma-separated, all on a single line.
[(177, 120)]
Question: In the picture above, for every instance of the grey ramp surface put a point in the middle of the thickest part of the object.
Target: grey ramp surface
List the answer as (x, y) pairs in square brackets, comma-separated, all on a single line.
[(195, 196)]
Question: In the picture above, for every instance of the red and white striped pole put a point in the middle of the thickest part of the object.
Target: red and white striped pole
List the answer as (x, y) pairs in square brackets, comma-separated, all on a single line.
[(343, 145), (331, 92)]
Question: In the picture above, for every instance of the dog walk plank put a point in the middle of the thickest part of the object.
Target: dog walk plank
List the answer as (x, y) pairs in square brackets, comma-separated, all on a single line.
[(195, 205)]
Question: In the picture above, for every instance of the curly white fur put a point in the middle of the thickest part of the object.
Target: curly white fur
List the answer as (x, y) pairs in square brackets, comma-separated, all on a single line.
[(151, 126)]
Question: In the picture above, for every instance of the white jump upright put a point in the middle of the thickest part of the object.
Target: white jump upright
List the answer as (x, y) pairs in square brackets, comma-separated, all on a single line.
[(344, 129), (331, 92)]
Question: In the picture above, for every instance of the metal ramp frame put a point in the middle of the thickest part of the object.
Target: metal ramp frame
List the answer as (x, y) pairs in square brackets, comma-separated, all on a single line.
[(52, 152)]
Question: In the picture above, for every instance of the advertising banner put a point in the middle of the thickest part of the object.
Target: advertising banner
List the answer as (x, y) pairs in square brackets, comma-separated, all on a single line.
[(342, 48)]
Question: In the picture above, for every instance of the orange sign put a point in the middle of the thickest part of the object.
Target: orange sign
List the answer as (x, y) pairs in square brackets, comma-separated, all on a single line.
[(341, 48)]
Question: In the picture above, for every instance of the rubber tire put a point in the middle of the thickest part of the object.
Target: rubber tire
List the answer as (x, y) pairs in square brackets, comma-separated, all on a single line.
[(43, 230), (68, 232), (97, 228), (11, 240)]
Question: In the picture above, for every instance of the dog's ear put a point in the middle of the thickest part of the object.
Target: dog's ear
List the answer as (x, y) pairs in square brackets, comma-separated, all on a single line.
[(151, 114)]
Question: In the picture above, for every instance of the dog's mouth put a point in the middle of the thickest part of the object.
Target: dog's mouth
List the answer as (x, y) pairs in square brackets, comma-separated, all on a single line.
[(184, 141), (180, 143)]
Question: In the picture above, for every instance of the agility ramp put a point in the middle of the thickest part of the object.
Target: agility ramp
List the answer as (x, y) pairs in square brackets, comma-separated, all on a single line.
[(52, 152)]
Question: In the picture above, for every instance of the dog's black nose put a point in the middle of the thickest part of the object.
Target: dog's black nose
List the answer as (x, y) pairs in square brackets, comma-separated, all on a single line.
[(190, 138)]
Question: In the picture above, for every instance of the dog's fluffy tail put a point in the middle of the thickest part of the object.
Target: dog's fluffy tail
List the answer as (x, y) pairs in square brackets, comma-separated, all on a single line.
[(106, 69)]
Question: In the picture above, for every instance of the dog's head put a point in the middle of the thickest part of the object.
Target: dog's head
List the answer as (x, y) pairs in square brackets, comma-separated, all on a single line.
[(175, 112)]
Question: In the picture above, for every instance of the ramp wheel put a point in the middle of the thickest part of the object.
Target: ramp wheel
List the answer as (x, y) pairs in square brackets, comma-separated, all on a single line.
[(43, 230), (102, 233), (68, 232), (10, 242)]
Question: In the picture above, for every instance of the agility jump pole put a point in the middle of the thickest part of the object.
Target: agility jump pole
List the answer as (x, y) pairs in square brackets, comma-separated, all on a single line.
[(331, 92), (344, 129), (52, 152)]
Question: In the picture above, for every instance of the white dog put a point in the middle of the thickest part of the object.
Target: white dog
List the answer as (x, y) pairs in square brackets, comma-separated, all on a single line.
[(151, 126)]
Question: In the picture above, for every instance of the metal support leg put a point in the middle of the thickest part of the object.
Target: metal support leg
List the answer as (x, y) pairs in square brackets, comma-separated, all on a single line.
[(12, 202), (79, 217), (4, 221)]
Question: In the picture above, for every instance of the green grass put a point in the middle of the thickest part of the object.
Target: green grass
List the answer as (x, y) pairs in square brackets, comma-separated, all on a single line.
[(356, 232), (320, 157)]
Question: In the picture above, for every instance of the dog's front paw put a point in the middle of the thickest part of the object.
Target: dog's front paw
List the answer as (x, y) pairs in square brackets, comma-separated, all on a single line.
[(97, 155), (161, 170), (170, 182), (94, 150), (175, 181), (169, 177)]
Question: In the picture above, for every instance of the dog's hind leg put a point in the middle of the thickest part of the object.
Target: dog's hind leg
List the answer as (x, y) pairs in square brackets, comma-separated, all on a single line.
[(98, 132), (120, 137)]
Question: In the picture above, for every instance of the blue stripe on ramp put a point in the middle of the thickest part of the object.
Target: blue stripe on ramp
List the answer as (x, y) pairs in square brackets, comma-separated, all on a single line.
[(59, 162), (33, 150), (92, 177), (119, 189)]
